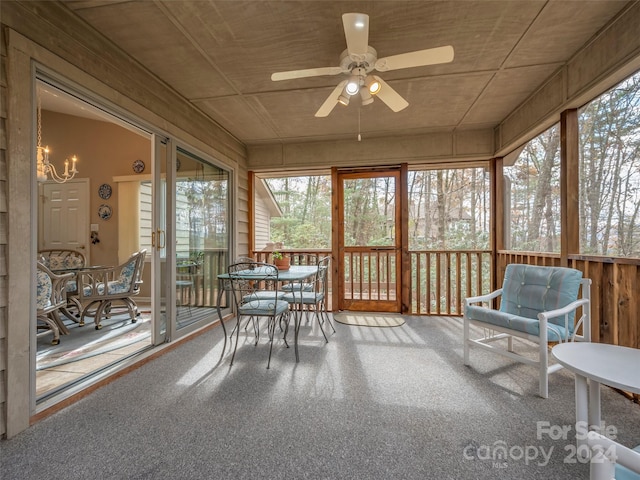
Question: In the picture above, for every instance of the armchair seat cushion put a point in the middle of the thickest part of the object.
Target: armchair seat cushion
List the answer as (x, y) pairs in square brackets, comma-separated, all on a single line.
[(531, 326), (113, 288)]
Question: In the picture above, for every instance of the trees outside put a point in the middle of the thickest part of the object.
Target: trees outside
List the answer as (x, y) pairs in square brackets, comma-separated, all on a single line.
[(610, 172), (533, 188), (449, 209), (609, 181), (306, 211)]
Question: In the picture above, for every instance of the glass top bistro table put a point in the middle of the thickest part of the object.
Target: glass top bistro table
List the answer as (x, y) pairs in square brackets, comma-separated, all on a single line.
[(594, 364), (296, 273)]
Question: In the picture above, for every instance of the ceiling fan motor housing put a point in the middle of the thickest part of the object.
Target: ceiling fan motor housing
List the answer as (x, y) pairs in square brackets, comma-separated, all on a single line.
[(365, 62)]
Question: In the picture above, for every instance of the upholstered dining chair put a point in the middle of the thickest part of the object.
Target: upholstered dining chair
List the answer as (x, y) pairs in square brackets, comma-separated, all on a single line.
[(312, 296), (51, 297), (251, 298), (60, 259), (99, 289)]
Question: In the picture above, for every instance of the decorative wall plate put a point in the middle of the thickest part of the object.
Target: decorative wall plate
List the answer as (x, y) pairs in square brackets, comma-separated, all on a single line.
[(105, 191), (104, 211), (138, 166)]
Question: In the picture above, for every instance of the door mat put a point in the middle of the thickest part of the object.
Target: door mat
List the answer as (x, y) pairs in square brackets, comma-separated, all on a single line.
[(365, 319)]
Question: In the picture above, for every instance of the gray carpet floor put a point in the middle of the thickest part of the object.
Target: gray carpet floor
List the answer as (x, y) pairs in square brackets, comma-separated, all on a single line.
[(373, 403)]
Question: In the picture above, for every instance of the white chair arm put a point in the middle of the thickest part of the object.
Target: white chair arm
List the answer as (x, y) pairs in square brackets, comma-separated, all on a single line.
[(604, 450), (483, 298), (564, 310)]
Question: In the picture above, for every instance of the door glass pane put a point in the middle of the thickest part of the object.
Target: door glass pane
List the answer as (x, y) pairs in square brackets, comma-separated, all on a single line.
[(202, 236), (370, 254), (369, 211)]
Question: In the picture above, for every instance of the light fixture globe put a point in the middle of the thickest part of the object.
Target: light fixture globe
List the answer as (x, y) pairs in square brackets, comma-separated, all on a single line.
[(353, 85), (365, 96), (372, 84)]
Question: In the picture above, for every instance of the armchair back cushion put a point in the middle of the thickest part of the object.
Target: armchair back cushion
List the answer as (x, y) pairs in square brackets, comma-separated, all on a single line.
[(61, 259), (529, 290)]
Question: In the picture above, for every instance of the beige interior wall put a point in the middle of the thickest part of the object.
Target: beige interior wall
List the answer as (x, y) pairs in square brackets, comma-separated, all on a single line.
[(104, 151)]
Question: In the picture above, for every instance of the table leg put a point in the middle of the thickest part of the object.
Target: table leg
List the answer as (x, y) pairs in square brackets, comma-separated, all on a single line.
[(582, 414), (594, 406), (224, 329), (297, 320)]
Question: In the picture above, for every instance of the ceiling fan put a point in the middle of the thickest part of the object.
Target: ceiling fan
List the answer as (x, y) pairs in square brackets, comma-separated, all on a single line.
[(359, 60)]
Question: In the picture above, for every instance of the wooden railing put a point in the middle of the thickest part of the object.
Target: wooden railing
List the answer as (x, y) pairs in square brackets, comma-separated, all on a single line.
[(440, 279), (615, 292)]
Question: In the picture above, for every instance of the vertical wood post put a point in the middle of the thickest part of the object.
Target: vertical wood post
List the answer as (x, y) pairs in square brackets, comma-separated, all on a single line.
[(251, 211), (336, 281), (569, 184), (496, 174), (405, 260)]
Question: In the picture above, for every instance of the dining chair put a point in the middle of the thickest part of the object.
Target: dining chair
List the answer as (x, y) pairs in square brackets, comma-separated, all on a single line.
[(60, 259), (51, 297), (311, 297), (99, 289), (247, 283), (185, 287), (301, 259)]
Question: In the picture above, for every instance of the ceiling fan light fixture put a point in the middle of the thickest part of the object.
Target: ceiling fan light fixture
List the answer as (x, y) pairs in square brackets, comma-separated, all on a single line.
[(343, 99), (366, 96), (373, 85), (353, 85)]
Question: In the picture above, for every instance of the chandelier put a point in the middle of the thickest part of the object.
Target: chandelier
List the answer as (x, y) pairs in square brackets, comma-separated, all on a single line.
[(44, 167)]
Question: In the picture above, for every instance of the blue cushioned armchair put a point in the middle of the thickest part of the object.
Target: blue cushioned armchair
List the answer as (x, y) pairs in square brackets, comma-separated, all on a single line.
[(538, 304)]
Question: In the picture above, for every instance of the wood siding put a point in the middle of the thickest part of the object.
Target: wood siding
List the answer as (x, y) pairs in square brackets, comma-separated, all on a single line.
[(3, 233)]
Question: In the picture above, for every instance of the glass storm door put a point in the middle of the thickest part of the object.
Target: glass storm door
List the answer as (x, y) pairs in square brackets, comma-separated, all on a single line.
[(369, 243)]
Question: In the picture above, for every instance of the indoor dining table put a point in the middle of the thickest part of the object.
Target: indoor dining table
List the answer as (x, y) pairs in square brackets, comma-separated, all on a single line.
[(72, 296), (295, 273)]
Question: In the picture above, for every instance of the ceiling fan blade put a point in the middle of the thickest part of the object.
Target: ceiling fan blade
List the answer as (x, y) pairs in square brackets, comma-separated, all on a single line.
[(389, 96), (430, 56), (310, 72), (356, 32), (331, 100)]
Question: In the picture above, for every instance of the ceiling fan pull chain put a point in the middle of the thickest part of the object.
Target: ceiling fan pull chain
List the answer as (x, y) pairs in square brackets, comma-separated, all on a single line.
[(359, 137)]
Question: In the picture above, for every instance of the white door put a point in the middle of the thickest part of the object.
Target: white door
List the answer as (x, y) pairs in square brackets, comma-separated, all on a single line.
[(64, 212)]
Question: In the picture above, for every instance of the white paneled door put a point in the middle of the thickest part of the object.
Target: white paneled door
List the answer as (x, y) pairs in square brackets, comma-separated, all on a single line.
[(65, 216)]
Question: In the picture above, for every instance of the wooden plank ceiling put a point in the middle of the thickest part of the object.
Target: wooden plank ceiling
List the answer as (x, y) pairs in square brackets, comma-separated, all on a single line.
[(220, 56)]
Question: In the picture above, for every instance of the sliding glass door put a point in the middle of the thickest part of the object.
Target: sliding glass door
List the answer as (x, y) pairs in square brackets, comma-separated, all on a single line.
[(200, 239)]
